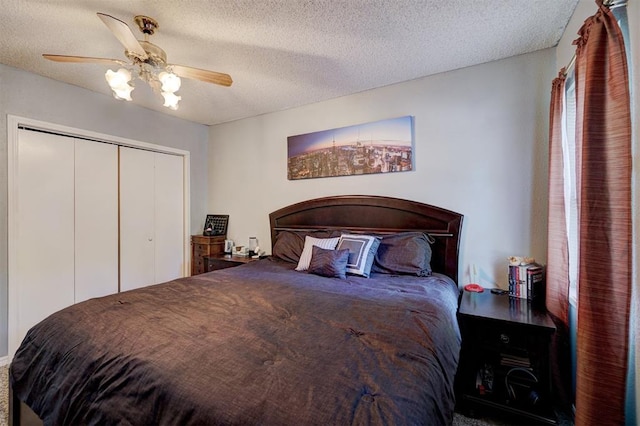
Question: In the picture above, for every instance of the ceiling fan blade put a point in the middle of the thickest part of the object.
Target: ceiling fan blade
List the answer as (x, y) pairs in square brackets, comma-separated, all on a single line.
[(82, 59), (123, 34), (202, 75)]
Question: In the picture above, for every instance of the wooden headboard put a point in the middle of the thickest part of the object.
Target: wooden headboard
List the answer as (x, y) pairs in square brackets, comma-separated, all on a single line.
[(380, 215)]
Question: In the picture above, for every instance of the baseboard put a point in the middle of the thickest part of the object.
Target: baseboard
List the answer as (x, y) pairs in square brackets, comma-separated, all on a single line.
[(4, 361)]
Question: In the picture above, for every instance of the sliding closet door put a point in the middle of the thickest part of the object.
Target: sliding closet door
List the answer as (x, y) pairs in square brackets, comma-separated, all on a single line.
[(87, 219), (45, 246), (96, 219), (151, 218), (137, 256), (169, 217)]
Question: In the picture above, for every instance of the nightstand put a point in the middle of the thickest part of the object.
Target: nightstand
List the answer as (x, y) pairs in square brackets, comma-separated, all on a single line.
[(504, 359), (222, 261), (204, 246)]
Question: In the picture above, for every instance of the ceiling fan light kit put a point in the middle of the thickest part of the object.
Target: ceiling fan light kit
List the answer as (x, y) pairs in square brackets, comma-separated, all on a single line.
[(119, 83), (148, 63)]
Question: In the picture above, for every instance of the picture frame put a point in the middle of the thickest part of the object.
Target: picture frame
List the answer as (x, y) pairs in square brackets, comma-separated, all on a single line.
[(215, 225), (384, 146)]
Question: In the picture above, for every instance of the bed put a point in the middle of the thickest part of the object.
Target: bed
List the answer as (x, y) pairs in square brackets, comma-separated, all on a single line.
[(264, 343)]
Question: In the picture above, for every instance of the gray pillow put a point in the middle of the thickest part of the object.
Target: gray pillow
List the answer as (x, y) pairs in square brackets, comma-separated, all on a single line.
[(406, 253), (329, 263)]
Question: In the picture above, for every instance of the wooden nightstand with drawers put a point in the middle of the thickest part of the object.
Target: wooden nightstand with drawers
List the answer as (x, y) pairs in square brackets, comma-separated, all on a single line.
[(204, 246)]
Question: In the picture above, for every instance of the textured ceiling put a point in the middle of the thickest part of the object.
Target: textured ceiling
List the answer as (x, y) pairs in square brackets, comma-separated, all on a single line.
[(280, 53)]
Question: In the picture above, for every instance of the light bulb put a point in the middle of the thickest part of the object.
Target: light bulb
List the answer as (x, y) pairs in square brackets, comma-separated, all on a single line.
[(171, 100), (170, 82)]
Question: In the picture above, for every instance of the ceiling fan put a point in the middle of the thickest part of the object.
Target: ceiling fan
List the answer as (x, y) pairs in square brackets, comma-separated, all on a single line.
[(147, 62)]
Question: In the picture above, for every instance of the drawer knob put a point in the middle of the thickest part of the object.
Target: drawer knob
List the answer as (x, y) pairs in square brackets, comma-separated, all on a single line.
[(504, 338)]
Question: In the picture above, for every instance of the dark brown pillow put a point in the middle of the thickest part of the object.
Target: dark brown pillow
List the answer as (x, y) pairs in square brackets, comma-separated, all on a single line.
[(406, 253), (289, 244), (329, 263)]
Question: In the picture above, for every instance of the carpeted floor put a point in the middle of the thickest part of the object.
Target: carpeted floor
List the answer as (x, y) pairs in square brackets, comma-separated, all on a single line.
[(460, 420), (4, 395)]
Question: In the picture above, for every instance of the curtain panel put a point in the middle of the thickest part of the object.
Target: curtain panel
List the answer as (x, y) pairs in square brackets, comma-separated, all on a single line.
[(603, 149), (557, 269)]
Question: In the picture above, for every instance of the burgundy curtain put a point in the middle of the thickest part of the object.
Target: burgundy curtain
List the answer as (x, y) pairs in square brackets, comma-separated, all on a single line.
[(603, 147), (557, 298), (557, 270)]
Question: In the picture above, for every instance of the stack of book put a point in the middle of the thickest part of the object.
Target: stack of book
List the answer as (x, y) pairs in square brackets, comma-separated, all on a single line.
[(511, 360), (526, 281)]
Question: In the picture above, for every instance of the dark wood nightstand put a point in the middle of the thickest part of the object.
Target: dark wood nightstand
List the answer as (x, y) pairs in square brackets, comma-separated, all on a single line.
[(504, 360), (204, 246), (222, 261)]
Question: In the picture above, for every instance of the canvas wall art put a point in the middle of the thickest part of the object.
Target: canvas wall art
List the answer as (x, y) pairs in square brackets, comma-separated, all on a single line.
[(384, 146)]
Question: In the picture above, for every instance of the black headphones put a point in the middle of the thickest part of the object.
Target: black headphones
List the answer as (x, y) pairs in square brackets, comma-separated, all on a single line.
[(532, 396)]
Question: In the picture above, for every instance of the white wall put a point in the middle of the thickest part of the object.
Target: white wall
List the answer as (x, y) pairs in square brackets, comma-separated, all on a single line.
[(565, 48), (480, 149), (32, 96)]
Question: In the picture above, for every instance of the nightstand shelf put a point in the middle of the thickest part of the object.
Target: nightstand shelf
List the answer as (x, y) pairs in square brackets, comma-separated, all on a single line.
[(504, 360)]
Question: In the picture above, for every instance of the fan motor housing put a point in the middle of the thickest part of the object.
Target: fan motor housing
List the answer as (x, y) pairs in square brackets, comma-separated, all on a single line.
[(156, 56)]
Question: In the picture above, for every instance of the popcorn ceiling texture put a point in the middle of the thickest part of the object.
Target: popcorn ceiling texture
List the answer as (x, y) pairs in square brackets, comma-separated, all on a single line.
[(280, 53)]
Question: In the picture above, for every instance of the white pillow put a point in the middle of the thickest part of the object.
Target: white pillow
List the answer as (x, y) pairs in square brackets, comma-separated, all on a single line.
[(362, 251), (309, 242)]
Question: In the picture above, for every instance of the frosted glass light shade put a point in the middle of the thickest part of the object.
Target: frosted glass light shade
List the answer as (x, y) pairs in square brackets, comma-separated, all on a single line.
[(170, 82), (123, 92), (119, 78), (171, 100), (119, 83)]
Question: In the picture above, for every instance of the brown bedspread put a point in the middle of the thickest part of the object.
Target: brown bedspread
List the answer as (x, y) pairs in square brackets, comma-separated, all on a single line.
[(255, 344)]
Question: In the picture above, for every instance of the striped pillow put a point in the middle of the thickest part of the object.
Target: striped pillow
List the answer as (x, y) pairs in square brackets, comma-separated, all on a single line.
[(309, 242)]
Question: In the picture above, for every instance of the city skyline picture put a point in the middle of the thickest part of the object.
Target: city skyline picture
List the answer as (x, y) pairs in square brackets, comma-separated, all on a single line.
[(384, 146)]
